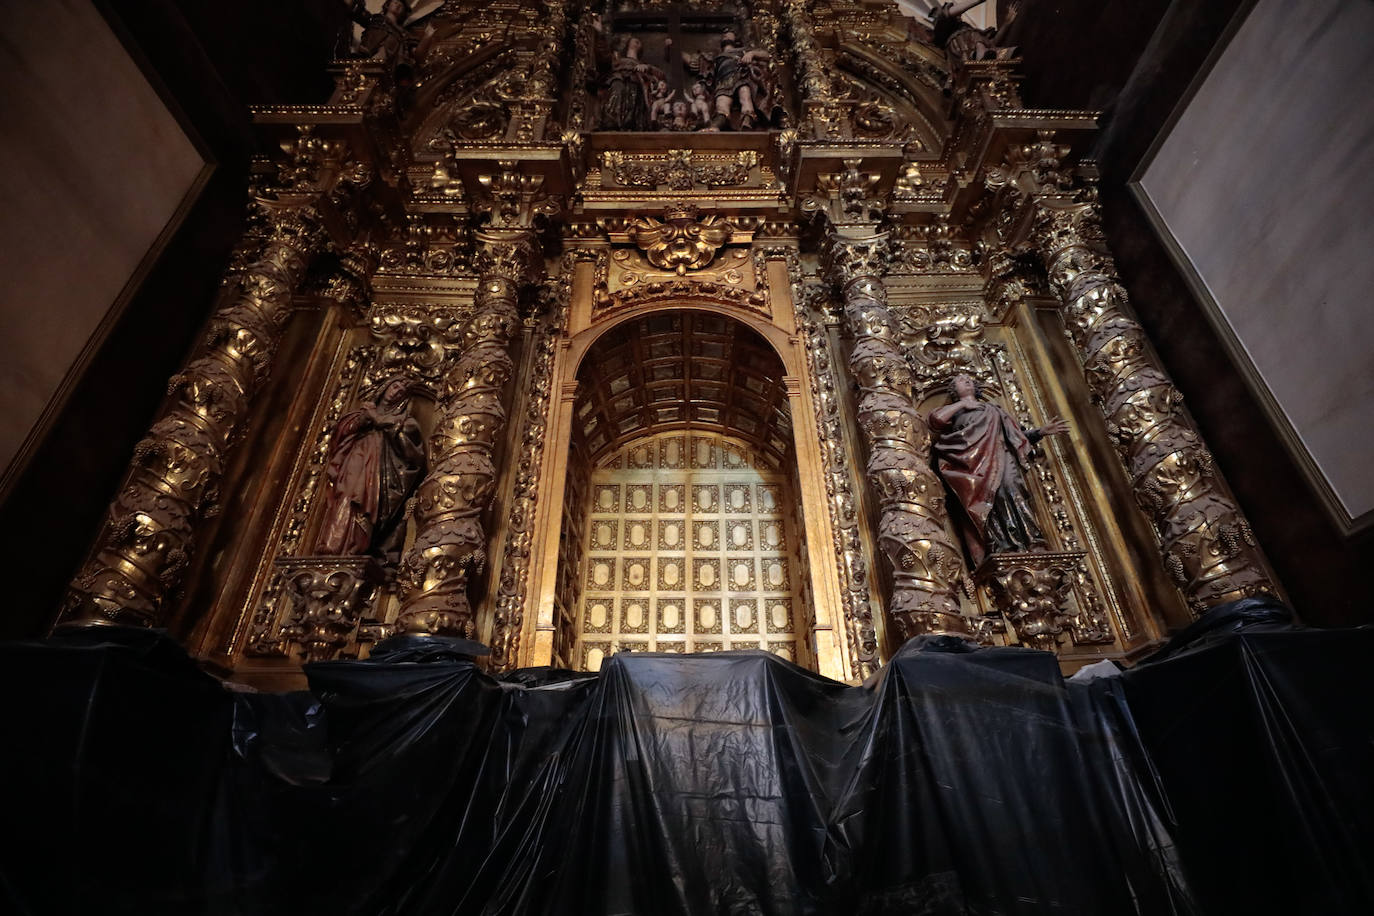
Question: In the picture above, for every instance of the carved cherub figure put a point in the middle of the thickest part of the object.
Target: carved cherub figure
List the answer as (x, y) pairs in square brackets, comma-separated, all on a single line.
[(701, 103), (682, 117), (662, 99)]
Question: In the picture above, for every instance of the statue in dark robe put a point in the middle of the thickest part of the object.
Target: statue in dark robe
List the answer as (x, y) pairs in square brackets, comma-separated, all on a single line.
[(385, 36), (630, 90), (982, 453), (376, 461)]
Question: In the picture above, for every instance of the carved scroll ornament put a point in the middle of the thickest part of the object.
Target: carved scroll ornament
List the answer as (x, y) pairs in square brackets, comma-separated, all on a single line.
[(1031, 591)]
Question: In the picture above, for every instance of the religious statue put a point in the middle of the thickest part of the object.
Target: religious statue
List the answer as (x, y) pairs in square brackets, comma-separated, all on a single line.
[(738, 79), (376, 461), (631, 90), (386, 37), (982, 454), (678, 117), (951, 33)]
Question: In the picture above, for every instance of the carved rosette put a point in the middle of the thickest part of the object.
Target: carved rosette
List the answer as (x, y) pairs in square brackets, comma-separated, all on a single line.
[(174, 478), (450, 541), (1031, 590), (1208, 548), (912, 531)]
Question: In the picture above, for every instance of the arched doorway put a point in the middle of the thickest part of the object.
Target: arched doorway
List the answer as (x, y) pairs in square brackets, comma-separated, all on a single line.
[(681, 524)]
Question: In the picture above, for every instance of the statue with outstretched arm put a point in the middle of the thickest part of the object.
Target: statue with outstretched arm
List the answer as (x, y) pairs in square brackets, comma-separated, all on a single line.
[(950, 32)]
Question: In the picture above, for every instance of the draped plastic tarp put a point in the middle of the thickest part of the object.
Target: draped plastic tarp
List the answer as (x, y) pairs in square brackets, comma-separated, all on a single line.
[(1232, 773)]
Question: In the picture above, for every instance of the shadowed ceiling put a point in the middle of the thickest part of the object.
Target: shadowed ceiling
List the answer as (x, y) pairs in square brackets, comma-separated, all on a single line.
[(679, 370)]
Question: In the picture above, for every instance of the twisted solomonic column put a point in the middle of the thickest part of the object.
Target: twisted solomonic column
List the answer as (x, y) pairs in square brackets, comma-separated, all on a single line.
[(450, 541), (173, 481), (1207, 545), (913, 529)]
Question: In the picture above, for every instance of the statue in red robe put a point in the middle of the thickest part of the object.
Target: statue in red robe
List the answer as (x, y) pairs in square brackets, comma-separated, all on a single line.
[(982, 453), (376, 460)]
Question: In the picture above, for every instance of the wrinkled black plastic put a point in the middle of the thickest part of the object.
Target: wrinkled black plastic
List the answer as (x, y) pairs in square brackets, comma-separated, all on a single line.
[(1233, 773)]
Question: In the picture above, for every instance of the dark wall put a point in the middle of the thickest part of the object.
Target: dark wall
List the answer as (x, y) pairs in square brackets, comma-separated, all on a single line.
[(1136, 61), (209, 61)]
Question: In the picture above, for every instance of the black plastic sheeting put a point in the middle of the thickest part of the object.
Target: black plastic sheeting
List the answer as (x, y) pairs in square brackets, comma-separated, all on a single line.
[(1232, 773)]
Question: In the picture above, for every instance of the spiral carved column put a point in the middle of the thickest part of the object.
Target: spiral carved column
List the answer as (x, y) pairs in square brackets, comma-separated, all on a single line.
[(1208, 548), (815, 81), (450, 541), (913, 530), (174, 478)]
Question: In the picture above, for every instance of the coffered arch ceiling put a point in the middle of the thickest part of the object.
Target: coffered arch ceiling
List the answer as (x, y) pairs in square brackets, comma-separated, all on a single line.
[(678, 370)]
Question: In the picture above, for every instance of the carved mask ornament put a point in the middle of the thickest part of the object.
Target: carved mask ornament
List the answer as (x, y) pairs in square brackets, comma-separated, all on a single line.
[(684, 240)]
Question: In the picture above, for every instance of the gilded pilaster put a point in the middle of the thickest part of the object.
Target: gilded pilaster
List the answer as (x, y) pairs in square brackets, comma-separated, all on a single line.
[(518, 554), (173, 482)]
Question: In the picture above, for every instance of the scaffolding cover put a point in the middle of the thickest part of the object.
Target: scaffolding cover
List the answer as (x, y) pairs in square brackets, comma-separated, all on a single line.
[(1230, 773)]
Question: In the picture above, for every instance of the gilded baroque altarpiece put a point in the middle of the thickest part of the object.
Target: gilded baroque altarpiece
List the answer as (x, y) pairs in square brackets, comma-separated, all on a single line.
[(657, 300)]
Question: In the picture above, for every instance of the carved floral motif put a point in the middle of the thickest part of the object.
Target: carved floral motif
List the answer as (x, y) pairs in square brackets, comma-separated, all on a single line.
[(680, 169), (1031, 591)]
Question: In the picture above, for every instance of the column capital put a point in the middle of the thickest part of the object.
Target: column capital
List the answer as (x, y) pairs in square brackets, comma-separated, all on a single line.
[(513, 199), (852, 259)]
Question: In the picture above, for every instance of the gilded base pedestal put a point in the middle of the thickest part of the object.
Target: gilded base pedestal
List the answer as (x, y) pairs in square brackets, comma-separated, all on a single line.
[(1031, 590)]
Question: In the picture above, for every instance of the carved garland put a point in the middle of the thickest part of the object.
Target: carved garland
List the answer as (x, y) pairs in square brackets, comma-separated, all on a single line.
[(676, 290)]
